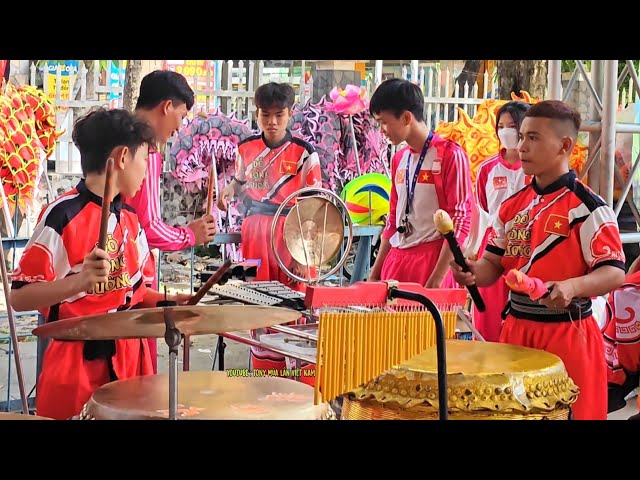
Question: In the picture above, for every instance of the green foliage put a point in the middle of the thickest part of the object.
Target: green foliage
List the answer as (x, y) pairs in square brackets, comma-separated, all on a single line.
[(570, 65)]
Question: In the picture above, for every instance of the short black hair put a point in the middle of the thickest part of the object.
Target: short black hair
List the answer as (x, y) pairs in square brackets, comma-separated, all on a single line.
[(161, 85), (516, 109), (272, 94), (398, 96), (557, 110), (100, 131)]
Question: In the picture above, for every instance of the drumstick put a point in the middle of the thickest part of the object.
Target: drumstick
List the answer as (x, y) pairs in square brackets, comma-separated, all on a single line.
[(215, 278), (106, 205), (211, 189), (444, 225)]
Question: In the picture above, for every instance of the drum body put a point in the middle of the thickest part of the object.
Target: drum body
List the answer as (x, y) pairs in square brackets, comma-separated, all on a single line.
[(485, 381), (204, 395)]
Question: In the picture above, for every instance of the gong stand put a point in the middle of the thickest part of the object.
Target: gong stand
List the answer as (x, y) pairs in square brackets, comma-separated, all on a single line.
[(314, 232)]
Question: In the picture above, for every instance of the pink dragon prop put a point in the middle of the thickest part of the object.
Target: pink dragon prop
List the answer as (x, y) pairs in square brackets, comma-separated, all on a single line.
[(215, 135)]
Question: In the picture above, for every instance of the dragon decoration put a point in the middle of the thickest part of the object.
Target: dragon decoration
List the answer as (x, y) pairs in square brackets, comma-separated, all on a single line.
[(478, 137), (27, 139), (325, 125), (215, 135)]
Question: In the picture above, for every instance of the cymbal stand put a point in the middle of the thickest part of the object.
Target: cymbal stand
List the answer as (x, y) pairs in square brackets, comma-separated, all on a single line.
[(173, 337), (12, 328)]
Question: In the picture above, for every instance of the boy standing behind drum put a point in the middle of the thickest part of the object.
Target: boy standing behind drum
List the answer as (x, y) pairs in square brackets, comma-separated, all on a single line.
[(269, 168), (560, 231), (430, 173), (63, 274)]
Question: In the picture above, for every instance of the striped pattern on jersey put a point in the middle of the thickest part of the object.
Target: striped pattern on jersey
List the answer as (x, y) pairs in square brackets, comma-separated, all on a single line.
[(67, 231)]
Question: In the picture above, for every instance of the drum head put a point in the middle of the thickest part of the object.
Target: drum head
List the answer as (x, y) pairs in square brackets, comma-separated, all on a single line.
[(206, 396), (469, 358)]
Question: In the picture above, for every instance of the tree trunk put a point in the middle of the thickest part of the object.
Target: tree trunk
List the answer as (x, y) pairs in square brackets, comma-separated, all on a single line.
[(132, 80), (527, 75)]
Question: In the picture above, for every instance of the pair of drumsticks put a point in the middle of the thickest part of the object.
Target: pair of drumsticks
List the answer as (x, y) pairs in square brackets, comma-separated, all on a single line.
[(104, 224)]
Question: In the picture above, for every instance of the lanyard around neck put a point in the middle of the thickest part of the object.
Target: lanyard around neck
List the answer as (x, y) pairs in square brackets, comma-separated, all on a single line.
[(411, 192)]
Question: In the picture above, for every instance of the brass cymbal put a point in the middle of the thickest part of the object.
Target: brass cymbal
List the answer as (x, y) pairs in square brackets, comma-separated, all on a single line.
[(314, 224), (204, 395), (149, 322), (20, 416)]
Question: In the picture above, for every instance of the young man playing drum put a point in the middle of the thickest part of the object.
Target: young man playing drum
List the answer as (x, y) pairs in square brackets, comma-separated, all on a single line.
[(558, 230), (63, 274)]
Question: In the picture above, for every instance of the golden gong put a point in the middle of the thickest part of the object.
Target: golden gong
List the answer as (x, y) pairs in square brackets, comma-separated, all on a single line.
[(314, 231), (486, 381)]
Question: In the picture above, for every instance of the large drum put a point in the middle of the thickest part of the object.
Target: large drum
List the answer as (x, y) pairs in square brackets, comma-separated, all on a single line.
[(485, 381), (206, 396)]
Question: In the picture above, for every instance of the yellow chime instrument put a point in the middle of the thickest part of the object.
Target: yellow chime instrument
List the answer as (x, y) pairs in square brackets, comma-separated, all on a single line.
[(367, 328)]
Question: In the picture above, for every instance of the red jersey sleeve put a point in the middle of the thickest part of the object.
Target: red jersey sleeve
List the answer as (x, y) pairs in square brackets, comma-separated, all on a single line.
[(44, 259), (600, 239), (311, 171), (239, 166), (146, 259)]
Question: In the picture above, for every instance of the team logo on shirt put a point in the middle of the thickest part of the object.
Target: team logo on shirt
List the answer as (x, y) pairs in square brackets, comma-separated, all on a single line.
[(118, 276), (258, 176), (400, 176), (519, 237), (499, 183), (601, 242)]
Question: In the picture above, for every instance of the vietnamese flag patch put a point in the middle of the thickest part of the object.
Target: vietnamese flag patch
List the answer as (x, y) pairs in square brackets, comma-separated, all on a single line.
[(557, 225), (288, 168)]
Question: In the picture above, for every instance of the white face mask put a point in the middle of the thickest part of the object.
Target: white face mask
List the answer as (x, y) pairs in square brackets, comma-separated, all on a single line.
[(509, 138)]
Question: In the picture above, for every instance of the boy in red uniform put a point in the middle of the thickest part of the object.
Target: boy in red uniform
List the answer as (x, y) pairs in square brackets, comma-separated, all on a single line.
[(270, 167), (558, 230), (63, 274), (428, 174)]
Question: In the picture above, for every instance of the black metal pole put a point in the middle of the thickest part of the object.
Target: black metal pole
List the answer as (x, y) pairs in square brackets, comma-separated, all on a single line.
[(440, 345)]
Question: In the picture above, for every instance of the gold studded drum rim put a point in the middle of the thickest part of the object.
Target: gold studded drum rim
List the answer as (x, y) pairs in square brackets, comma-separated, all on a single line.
[(353, 409), (498, 378)]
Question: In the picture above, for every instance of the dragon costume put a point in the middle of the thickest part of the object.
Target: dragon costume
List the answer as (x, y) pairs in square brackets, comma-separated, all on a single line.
[(218, 134), (27, 139)]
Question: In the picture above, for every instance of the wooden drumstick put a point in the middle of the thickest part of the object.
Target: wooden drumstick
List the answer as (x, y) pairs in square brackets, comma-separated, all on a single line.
[(215, 278), (106, 205), (211, 188)]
